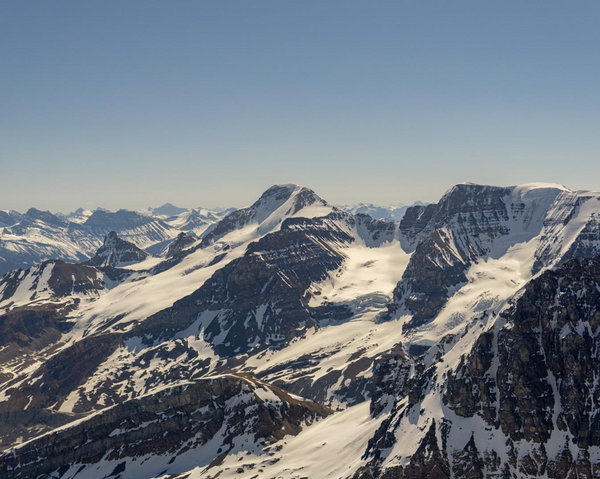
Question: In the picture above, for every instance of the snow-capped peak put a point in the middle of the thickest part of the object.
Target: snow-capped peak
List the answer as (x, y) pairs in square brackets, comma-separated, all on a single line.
[(292, 197), (470, 187), (268, 212)]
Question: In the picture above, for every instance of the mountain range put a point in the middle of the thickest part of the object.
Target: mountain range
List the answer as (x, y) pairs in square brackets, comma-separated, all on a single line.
[(393, 212), (35, 236), (296, 339)]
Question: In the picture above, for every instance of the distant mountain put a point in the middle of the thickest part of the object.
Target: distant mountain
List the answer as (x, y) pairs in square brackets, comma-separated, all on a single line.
[(34, 216), (40, 235), (9, 217), (196, 221), (116, 252), (79, 215), (167, 210), (393, 213)]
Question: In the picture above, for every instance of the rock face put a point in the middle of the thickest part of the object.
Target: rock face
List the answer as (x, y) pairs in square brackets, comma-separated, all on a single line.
[(588, 241), (34, 215), (526, 383), (50, 279), (34, 327), (564, 221), (259, 299), (436, 266), (179, 244), (164, 426), (60, 374), (447, 238), (9, 217), (544, 357), (116, 252), (288, 199), (473, 223)]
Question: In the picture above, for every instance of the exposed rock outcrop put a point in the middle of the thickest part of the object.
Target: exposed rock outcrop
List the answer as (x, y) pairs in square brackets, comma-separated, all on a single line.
[(165, 424), (259, 299), (116, 252), (527, 382)]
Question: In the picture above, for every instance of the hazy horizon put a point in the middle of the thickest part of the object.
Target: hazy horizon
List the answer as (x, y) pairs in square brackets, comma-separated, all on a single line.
[(224, 206), (122, 105), (258, 194)]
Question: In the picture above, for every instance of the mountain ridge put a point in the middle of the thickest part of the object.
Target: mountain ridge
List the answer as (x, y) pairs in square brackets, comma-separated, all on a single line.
[(388, 324)]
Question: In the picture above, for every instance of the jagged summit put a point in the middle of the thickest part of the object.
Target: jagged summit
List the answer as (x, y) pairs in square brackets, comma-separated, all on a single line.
[(278, 196), (281, 191), (275, 205), (45, 216), (181, 242), (116, 252)]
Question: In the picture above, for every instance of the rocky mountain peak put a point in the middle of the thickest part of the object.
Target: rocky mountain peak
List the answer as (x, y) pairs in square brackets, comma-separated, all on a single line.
[(278, 195), (275, 205), (193, 220), (45, 216), (181, 242), (473, 222), (285, 189), (284, 200), (471, 196), (117, 252)]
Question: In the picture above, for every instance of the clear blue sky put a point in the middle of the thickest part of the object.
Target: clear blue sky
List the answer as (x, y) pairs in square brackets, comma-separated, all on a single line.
[(135, 103)]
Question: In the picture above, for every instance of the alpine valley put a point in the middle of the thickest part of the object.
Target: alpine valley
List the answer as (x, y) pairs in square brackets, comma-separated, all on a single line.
[(296, 339)]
